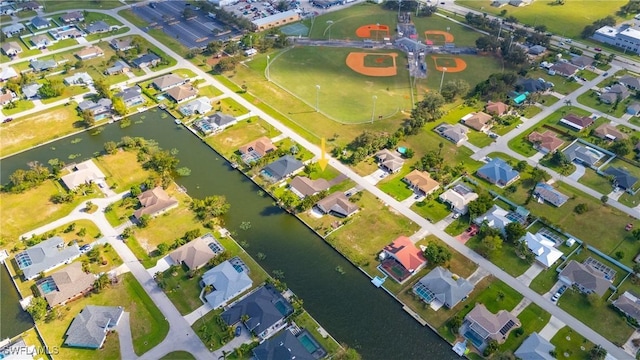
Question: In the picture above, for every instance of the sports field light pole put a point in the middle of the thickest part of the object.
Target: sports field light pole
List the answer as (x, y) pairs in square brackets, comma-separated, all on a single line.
[(377, 30), (373, 110), (317, 97), (329, 22), (444, 70)]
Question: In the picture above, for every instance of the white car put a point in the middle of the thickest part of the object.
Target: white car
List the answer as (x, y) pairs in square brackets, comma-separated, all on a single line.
[(555, 297)]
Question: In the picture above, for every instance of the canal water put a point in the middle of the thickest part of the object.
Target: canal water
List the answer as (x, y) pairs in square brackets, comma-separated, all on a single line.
[(347, 305), (13, 320)]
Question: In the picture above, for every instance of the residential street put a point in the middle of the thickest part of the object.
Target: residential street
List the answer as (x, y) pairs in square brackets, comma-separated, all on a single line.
[(182, 337)]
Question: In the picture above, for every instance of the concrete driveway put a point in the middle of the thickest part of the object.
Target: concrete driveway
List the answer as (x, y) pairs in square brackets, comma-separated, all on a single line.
[(376, 176), (576, 175), (531, 273)]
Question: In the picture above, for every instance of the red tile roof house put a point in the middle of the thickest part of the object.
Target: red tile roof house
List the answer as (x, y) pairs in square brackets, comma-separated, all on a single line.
[(256, 149), (496, 108), (155, 202), (577, 123), (546, 142), (401, 259), (479, 121)]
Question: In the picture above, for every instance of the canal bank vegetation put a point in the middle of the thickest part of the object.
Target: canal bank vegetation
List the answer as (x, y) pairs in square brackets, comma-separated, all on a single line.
[(148, 325)]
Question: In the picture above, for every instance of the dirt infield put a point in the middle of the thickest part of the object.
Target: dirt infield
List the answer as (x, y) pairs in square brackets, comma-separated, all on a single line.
[(453, 64), (355, 61), (366, 31), (448, 38)]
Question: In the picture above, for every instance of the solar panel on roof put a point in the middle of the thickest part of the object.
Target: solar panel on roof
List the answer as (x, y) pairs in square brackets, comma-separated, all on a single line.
[(505, 329)]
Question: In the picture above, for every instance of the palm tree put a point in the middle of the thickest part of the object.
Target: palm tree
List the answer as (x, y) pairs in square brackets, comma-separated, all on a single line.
[(101, 282)]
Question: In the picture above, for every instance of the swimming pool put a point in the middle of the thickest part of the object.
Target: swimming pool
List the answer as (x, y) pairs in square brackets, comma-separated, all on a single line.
[(308, 343), (48, 285), (475, 339), (402, 150)]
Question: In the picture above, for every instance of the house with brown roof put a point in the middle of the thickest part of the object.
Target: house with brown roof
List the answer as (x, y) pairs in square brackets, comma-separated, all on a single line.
[(496, 108), (122, 44), (391, 161), (456, 133), (480, 324), (401, 259), (182, 93), (71, 17), (194, 254), (576, 122), (302, 186), (584, 277), (337, 204), (563, 69), (66, 284), (609, 132), (256, 149), (421, 182), (479, 121), (629, 304), (166, 82), (546, 142), (615, 93), (11, 48), (89, 52), (7, 97), (155, 202)]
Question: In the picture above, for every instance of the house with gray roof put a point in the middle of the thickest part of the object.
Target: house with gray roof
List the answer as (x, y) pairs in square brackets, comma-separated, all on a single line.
[(40, 23), (121, 44), (633, 109), (584, 277), (455, 133), (498, 172), (220, 121), (199, 106), (535, 347), (131, 96), (617, 92), (66, 284), (303, 186), (548, 193), (439, 287), (166, 82), (564, 69), (194, 254), (147, 60), (81, 78), (227, 282), (100, 107), (621, 178), (629, 304), (390, 160), (481, 325), (30, 91), (72, 17), (28, 5), (46, 256), (13, 29), (631, 82), (583, 154), (6, 9), (534, 85), (282, 168), (90, 327), (289, 345), (40, 41), (8, 73), (97, 27), (118, 67), (582, 61), (496, 217), (337, 204), (265, 310), (11, 48), (537, 49), (42, 65)]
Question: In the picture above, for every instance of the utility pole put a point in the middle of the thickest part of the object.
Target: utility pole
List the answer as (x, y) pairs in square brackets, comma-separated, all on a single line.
[(444, 70)]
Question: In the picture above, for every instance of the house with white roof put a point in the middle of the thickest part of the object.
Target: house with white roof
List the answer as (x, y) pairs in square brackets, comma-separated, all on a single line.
[(496, 218), (543, 248)]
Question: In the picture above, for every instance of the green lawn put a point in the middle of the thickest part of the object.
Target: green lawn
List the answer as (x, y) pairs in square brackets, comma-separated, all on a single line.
[(182, 290), (478, 69), (122, 170), (178, 355), (148, 327), (228, 141), (596, 182), (231, 107), (479, 139), (561, 84), (545, 280), (522, 145), (458, 226), (531, 111), (121, 210), (394, 186), (599, 316), (358, 243), (587, 74), (26, 14), (63, 44), (305, 321), (209, 91), (590, 99), (432, 210), (548, 100), (346, 96), (60, 5), (132, 18), (505, 258), (571, 345), (18, 107), (630, 200), (91, 17), (533, 319), (566, 20)]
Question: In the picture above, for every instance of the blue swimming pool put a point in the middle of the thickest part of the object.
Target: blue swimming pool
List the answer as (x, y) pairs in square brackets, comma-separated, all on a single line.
[(308, 343), (402, 150), (475, 339), (48, 286)]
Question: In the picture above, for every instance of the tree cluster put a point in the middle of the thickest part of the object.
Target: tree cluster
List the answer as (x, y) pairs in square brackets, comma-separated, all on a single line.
[(51, 89), (365, 144), (632, 7), (210, 207), (589, 30), (22, 180), (483, 22), (496, 87), (437, 254)]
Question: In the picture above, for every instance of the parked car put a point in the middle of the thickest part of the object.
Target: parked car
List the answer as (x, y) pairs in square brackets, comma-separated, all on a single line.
[(85, 248), (555, 297), (628, 227), (9, 119), (238, 330), (597, 49), (562, 289)]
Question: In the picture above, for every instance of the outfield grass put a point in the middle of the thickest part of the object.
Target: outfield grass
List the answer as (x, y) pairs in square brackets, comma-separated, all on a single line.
[(24, 133), (478, 70), (122, 170), (566, 20), (344, 95), (148, 327)]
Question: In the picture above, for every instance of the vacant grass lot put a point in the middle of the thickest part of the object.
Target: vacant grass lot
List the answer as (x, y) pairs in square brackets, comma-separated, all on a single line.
[(148, 326), (432, 210), (344, 95), (356, 240), (228, 141), (566, 20), (506, 257), (26, 132), (122, 170), (599, 316), (571, 345), (32, 209)]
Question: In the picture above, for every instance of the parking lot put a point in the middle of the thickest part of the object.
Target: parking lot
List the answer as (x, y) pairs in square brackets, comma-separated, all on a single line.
[(194, 33)]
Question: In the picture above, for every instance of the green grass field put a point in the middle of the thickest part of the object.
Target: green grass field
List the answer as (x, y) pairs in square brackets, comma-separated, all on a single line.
[(344, 95), (565, 20), (478, 69)]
